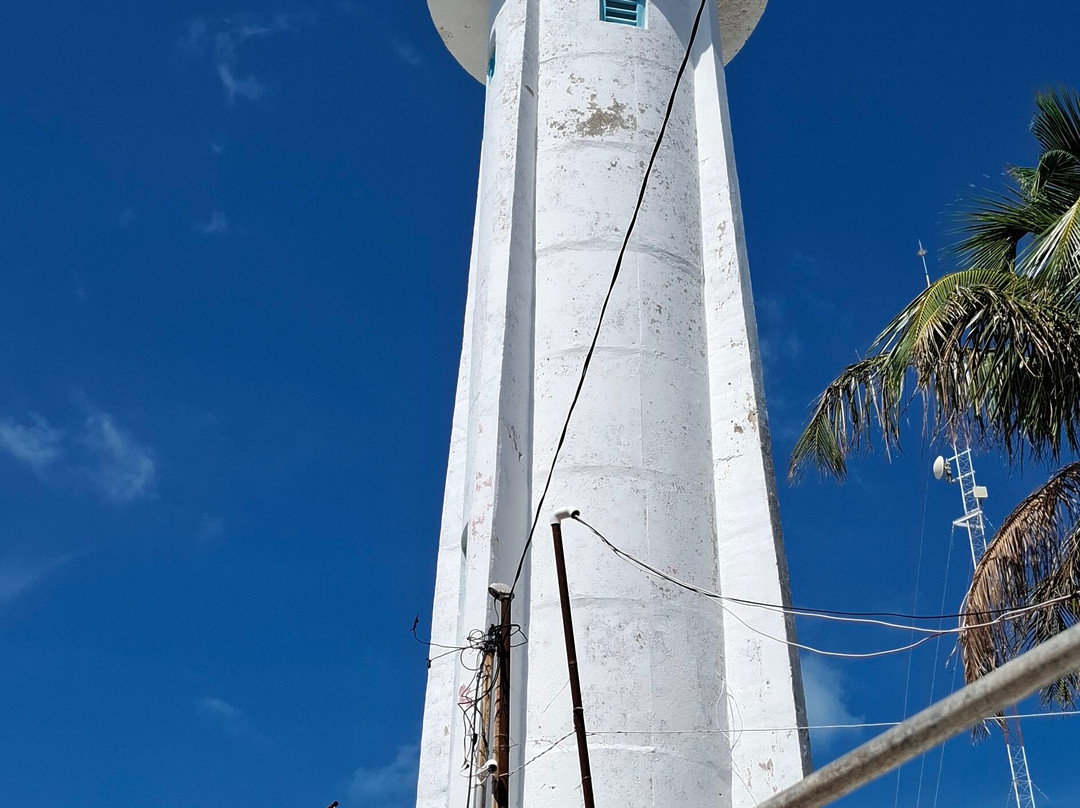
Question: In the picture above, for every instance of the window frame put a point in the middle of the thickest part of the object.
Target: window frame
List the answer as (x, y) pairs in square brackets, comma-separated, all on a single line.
[(640, 8)]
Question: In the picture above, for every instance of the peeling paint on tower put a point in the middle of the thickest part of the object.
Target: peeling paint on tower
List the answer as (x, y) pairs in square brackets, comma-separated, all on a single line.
[(668, 451)]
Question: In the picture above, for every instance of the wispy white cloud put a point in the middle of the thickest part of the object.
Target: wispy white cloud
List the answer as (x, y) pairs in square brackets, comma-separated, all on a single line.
[(785, 348), (405, 51), (231, 719), (194, 40), (211, 528), (221, 40), (235, 86), (20, 576), (119, 466), (807, 274), (778, 342), (125, 216), (36, 444), (218, 225), (408, 53), (825, 699), (122, 468), (77, 284), (392, 785), (804, 264)]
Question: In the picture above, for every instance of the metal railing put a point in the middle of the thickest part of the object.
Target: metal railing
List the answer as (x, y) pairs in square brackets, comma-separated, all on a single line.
[(986, 698)]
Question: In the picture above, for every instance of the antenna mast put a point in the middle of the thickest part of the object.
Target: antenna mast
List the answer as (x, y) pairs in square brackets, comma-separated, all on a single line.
[(959, 469)]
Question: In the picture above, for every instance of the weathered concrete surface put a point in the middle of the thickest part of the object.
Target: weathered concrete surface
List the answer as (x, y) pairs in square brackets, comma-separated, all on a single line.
[(464, 27), (487, 499), (668, 451)]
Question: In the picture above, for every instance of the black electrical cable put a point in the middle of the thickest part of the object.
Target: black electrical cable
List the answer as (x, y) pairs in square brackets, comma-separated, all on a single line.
[(776, 607), (430, 644), (611, 288), (471, 760)]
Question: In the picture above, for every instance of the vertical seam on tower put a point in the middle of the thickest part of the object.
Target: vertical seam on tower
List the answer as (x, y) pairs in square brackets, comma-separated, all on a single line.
[(530, 73)]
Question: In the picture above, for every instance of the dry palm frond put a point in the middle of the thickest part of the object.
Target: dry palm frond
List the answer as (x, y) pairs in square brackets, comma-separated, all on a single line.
[(994, 353), (1034, 559)]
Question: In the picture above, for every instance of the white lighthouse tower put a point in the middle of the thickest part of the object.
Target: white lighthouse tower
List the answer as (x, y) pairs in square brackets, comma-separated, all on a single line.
[(668, 450)]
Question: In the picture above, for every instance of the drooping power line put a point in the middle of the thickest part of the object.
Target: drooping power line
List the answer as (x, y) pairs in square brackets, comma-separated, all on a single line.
[(611, 288)]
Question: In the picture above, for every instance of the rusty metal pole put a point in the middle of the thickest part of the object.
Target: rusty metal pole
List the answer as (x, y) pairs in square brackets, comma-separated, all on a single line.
[(503, 595), (485, 713), (483, 748), (571, 657)]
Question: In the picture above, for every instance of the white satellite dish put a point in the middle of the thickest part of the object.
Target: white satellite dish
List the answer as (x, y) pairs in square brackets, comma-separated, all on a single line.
[(939, 467)]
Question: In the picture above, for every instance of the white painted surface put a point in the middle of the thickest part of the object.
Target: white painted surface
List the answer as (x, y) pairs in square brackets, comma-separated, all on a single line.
[(463, 26), (668, 451), (488, 478), (762, 675)]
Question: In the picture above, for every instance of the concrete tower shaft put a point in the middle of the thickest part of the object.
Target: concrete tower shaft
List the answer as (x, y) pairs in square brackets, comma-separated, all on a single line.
[(463, 26), (668, 450)]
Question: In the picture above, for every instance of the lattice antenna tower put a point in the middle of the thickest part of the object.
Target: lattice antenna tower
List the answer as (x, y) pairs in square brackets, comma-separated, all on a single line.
[(960, 469)]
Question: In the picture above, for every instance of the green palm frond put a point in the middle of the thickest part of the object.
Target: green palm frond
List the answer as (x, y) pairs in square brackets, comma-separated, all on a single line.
[(1002, 356), (1057, 123), (844, 415), (1056, 180), (995, 357), (995, 224), (1056, 252), (1034, 559), (992, 231), (994, 350)]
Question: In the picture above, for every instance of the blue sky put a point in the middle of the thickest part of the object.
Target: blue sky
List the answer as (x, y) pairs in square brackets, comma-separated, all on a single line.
[(234, 251)]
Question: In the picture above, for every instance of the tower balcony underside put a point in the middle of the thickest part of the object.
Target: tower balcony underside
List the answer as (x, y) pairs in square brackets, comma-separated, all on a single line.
[(464, 28)]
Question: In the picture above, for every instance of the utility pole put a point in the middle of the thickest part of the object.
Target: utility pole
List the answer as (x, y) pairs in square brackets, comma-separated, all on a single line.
[(503, 596), (571, 656), (485, 711), (484, 736)]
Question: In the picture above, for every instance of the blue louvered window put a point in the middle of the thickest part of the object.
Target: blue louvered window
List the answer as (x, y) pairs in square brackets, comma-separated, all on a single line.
[(626, 12)]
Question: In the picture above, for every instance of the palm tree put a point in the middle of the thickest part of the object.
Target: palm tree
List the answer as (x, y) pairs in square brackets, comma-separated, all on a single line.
[(993, 353)]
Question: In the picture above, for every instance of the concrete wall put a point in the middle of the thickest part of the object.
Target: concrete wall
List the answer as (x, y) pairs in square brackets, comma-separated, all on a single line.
[(763, 676), (668, 451), (488, 486), (637, 459)]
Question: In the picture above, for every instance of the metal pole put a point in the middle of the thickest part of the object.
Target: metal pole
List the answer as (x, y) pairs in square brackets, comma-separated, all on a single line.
[(982, 699), (571, 657), (480, 788), (503, 595), (485, 713)]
